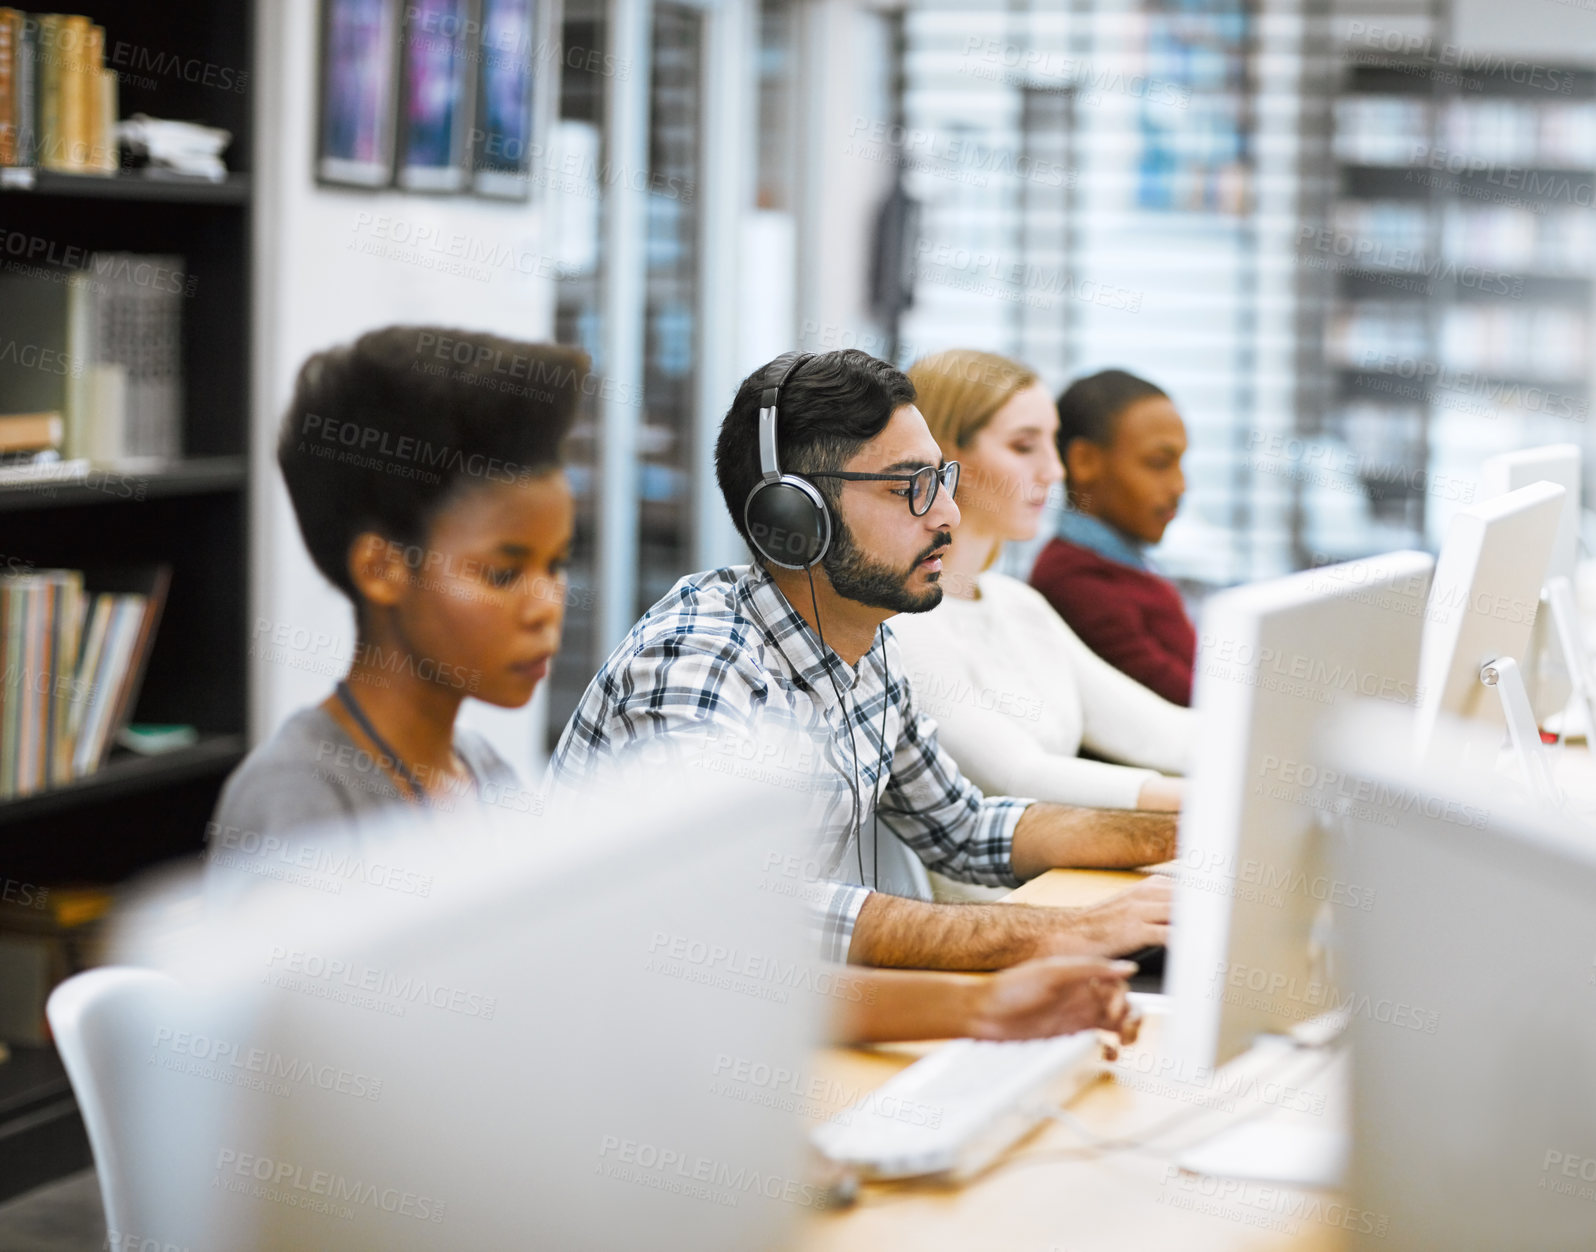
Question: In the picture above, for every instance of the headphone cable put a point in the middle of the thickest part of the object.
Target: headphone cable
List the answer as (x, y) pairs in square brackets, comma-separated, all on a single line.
[(886, 703), (853, 744)]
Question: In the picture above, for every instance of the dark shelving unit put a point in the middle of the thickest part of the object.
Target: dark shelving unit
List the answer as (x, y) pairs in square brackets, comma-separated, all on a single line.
[(108, 484), (1445, 181), (191, 514), (130, 186), (128, 775)]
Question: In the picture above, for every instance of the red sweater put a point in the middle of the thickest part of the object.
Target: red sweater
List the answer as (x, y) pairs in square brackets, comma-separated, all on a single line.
[(1133, 619)]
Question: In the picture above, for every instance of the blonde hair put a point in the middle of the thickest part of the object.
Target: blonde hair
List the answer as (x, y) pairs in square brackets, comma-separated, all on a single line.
[(959, 390)]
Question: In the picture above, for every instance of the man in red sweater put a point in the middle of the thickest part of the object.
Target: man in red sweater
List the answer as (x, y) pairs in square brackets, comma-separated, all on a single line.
[(1121, 441)]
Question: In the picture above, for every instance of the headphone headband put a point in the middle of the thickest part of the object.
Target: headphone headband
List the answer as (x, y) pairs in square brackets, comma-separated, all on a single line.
[(769, 399)]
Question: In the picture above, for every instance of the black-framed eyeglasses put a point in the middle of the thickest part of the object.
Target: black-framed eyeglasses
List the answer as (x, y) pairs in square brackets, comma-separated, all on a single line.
[(923, 483)]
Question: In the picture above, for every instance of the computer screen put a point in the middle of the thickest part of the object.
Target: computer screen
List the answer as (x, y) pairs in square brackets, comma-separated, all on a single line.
[(582, 1032), (1483, 602), (1474, 1019), (1545, 668), (1253, 896)]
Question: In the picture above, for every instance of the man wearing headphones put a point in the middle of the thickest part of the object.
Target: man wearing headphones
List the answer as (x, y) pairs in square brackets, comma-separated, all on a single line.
[(837, 485)]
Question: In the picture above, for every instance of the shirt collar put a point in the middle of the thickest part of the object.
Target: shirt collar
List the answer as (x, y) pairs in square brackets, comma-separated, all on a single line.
[(814, 666), (1098, 536)]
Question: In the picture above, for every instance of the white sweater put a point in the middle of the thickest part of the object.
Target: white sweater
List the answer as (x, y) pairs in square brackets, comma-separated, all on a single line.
[(1015, 694)]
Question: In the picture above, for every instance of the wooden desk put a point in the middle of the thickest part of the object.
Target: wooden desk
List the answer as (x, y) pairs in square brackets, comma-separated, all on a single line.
[(1064, 1202)]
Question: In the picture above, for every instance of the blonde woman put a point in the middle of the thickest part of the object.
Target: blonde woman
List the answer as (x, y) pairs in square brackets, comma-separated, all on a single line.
[(1015, 693)]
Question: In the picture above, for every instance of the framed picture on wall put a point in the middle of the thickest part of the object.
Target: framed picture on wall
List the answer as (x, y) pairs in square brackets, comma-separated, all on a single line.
[(502, 136), (359, 92), (438, 56)]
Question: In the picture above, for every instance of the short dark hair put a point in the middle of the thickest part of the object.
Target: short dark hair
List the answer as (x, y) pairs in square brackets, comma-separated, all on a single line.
[(1089, 407), (385, 432), (835, 404)]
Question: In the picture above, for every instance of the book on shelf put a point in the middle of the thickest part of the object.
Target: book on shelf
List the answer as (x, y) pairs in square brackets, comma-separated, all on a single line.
[(58, 101), (30, 432), (74, 646), (103, 349)]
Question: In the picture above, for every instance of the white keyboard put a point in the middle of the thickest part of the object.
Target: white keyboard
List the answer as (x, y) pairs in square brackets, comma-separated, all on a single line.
[(955, 1111)]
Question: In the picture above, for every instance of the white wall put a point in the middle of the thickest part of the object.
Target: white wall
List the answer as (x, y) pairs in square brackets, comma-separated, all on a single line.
[(314, 287), (842, 94)]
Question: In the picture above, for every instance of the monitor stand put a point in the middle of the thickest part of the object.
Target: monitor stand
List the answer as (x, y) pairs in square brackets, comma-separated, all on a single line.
[(1274, 1152), (1559, 597), (1504, 674)]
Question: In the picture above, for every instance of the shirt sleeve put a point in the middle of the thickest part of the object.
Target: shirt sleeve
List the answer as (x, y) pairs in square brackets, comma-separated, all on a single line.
[(941, 815), (667, 689), (1006, 758), (1120, 717), (833, 910)]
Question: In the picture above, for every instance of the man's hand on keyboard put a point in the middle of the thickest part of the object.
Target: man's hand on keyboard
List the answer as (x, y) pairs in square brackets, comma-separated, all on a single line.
[(1135, 918), (1057, 995)]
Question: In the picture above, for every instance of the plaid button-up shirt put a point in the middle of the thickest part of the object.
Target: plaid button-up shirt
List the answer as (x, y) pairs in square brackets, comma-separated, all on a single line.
[(724, 657)]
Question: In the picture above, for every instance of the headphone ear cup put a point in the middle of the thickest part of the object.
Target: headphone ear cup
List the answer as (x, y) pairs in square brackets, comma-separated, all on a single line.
[(788, 522)]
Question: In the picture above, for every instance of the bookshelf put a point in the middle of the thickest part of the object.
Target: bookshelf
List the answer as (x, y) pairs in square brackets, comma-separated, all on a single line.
[(190, 513), (125, 187), (1461, 192)]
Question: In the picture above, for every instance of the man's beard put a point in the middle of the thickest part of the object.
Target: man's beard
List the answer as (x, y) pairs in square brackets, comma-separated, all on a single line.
[(854, 576)]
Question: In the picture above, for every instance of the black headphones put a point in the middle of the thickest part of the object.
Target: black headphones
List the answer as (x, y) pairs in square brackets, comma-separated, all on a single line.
[(786, 517)]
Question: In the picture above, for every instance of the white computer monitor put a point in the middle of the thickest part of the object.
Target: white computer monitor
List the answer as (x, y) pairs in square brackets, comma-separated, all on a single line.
[(1483, 604), (1545, 669), (1473, 1022), (1553, 463), (1252, 896), (560, 1035)]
